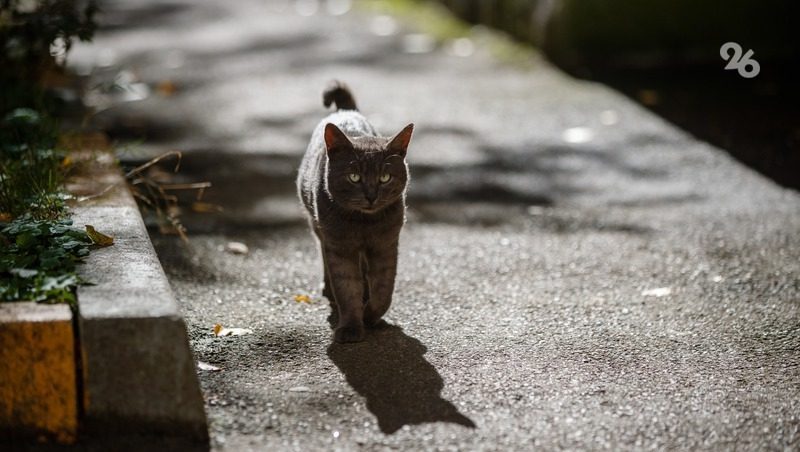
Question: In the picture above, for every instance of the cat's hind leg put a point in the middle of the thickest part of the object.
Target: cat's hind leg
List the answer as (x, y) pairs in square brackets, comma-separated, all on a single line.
[(364, 276), (381, 274), (372, 319), (327, 291)]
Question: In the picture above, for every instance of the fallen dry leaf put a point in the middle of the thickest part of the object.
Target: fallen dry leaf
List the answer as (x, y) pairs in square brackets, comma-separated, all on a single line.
[(649, 97), (98, 238), (221, 331), (237, 248), (166, 88), (302, 299), (206, 207), (658, 292), (206, 366)]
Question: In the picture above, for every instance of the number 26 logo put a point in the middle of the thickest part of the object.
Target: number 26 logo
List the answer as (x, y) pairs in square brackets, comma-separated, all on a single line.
[(746, 65)]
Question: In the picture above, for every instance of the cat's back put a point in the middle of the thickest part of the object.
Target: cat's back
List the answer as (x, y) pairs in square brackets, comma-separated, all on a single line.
[(351, 122), (312, 169)]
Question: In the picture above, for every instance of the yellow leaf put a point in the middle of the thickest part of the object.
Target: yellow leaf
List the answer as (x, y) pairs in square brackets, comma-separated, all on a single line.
[(649, 97), (205, 207), (98, 237), (302, 299), (166, 88), (221, 331)]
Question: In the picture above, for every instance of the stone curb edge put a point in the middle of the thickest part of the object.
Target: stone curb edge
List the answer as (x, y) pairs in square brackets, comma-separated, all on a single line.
[(120, 366)]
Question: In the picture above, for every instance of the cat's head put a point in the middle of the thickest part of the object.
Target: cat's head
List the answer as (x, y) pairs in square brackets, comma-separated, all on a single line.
[(366, 174)]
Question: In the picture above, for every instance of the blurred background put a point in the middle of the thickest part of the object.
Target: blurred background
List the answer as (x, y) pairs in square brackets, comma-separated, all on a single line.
[(147, 84), (665, 55), (173, 76)]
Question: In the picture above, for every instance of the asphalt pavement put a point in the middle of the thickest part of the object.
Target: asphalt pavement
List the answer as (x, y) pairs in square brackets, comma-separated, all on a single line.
[(575, 272)]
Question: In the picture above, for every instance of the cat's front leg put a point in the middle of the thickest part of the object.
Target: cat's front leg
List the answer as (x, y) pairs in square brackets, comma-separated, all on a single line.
[(347, 284), (381, 275)]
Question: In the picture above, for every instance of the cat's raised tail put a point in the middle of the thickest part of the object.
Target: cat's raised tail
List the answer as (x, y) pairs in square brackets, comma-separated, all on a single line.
[(339, 94)]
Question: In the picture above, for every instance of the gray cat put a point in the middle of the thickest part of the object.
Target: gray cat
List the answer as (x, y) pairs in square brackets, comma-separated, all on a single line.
[(353, 184)]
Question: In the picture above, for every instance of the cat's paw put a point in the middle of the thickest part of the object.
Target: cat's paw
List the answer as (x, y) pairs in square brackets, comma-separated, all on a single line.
[(372, 318), (345, 334), (376, 324)]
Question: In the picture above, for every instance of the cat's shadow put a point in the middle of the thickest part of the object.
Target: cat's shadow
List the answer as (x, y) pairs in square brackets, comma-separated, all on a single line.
[(390, 371)]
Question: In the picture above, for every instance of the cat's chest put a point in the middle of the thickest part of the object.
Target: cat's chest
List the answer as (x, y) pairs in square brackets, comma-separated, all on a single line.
[(364, 231)]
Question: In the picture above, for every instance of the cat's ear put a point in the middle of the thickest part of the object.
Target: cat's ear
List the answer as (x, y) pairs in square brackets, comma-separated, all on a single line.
[(335, 139), (399, 144)]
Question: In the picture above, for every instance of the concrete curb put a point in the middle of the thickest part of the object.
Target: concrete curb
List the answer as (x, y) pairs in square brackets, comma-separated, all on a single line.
[(38, 391), (123, 368), (139, 373)]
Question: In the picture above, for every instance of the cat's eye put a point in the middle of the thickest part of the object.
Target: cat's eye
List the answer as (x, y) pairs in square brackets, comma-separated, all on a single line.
[(385, 177), (354, 177)]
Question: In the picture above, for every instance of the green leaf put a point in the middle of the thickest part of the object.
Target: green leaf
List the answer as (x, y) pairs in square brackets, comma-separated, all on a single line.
[(19, 116), (59, 229), (77, 234), (24, 272), (59, 282), (25, 240), (71, 245), (38, 261)]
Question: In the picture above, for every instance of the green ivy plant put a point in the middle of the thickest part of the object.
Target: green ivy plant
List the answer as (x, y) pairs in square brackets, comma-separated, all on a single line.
[(31, 172), (38, 258), (38, 247)]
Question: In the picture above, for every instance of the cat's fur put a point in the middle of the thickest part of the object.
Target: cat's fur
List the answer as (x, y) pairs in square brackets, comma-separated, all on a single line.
[(357, 222)]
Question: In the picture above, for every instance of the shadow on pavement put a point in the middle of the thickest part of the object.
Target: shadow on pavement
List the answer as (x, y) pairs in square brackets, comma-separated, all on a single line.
[(400, 386), (257, 191), (118, 443)]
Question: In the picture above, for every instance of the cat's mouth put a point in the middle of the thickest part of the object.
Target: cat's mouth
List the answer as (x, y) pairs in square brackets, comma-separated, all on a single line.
[(372, 209), (367, 207)]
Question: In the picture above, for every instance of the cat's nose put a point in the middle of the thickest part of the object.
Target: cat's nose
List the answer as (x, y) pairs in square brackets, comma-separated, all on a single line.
[(371, 197)]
